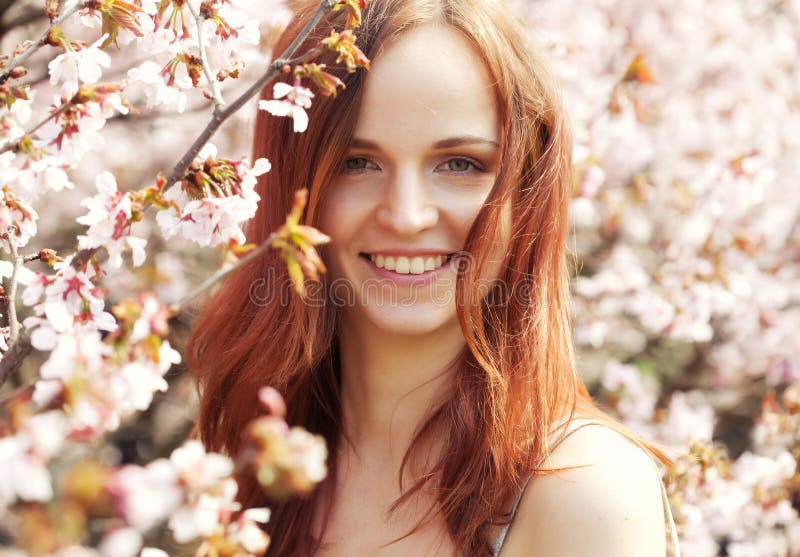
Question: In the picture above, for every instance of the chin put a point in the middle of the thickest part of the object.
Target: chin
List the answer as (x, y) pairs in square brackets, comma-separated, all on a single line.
[(413, 319)]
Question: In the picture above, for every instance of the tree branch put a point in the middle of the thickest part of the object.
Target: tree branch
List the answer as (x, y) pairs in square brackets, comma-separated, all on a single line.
[(219, 117), (17, 60), (13, 323), (177, 172), (20, 349), (60, 110), (206, 284), (219, 102)]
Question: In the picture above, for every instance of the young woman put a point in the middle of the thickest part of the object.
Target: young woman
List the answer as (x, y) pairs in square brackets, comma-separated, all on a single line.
[(437, 357)]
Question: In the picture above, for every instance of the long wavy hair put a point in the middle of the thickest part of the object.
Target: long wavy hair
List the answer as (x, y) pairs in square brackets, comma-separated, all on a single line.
[(516, 375)]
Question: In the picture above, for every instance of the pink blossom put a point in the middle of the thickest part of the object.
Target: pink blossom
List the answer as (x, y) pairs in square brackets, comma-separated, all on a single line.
[(309, 453), (246, 532), (146, 496), (148, 76), (153, 552), (109, 220), (211, 492), (690, 418), (24, 457), (79, 66), (122, 542), (75, 138), (637, 393), (39, 176), (15, 211), (211, 221)]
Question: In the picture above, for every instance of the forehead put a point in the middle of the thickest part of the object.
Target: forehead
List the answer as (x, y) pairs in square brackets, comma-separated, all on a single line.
[(429, 84)]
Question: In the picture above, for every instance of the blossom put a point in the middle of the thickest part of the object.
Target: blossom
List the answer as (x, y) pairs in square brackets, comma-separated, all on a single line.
[(76, 66), (36, 176), (211, 491), (217, 216), (16, 212), (109, 219), (297, 99), (153, 552), (77, 132), (286, 461), (122, 542), (636, 393), (690, 418), (70, 298), (246, 532), (101, 384), (149, 76), (146, 496), (24, 456)]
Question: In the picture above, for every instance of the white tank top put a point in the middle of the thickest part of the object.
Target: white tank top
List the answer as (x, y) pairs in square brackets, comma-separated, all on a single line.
[(673, 549)]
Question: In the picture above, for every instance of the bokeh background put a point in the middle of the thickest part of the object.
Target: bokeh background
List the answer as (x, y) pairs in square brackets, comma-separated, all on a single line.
[(685, 239)]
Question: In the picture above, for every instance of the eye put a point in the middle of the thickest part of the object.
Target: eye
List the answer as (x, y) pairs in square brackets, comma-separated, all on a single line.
[(460, 165), (358, 164)]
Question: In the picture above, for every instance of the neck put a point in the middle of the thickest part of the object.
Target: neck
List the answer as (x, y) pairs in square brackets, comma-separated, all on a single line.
[(390, 385)]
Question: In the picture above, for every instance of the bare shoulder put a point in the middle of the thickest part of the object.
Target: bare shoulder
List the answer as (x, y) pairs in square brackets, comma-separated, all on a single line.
[(611, 506)]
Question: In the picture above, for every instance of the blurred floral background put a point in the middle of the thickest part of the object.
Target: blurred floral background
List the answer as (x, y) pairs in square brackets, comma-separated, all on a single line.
[(686, 238)]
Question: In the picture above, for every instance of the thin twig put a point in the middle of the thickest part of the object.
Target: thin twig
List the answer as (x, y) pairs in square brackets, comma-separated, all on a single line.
[(13, 323), (219, 102), (16, 61), (206, 284), (61, 109)]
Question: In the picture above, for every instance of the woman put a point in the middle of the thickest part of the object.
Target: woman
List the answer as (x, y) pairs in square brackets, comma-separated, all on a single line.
[(437, 361)]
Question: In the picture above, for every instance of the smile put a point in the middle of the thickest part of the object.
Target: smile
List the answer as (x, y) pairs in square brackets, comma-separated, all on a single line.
[(415, 265)]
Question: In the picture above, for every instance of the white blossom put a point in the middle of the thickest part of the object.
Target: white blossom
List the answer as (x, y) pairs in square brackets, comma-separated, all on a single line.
[(297, 100)]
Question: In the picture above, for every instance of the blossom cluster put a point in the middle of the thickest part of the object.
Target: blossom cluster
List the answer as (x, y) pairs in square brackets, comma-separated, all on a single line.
[(103, 357), (685, 217)]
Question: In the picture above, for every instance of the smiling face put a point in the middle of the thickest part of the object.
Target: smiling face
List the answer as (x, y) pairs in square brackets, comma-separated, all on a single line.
[(421, 164)]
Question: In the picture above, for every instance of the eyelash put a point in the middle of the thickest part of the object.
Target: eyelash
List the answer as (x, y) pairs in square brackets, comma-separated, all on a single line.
[(476, 166)]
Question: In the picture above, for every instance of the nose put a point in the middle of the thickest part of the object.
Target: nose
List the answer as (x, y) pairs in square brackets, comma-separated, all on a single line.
[(405, 208)]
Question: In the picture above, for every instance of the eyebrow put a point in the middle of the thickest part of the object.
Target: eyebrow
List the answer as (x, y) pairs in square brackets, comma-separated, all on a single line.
[(459, 141)]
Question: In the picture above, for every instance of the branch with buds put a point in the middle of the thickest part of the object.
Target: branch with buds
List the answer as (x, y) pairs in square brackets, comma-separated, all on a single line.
[(28, 48)]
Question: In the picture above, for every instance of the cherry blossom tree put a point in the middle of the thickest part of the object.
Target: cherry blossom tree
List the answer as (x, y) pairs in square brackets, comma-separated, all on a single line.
[(101, 356), (686, 219)]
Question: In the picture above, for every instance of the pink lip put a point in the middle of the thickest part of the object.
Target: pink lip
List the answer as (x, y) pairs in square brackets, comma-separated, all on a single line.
[(409, 280), (410, 252)]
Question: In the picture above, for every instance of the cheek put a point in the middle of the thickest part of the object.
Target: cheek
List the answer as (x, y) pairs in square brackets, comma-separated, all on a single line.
[(462, 208), (339, 215)]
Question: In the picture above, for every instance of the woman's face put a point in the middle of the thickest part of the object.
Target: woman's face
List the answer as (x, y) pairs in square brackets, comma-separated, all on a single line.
[(422, 162)]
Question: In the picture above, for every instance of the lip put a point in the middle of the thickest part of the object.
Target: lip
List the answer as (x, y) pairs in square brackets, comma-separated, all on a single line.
[(409, 252), (421, 279)]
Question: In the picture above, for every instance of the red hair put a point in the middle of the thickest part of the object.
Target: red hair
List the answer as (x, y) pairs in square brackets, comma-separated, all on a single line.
[(517, 374)]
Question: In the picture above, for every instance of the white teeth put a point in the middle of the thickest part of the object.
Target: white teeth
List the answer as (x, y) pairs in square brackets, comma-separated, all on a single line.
[(405, 265), (431, 263), (417, 266)]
